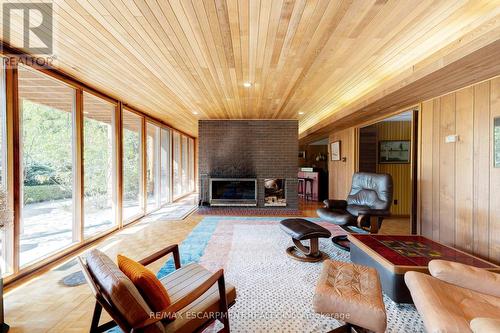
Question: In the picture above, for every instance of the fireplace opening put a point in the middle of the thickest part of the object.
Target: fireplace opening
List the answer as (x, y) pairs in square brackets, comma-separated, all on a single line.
[(233, 192), (274, 192)]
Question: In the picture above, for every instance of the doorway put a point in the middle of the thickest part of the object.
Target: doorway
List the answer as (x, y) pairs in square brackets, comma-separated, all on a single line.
[(389, 146)]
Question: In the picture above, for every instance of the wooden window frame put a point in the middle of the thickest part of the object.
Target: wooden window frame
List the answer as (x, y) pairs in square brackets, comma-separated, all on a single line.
[(142, 171), (115, 166), (77, 169), (157, 176), (169, 167)]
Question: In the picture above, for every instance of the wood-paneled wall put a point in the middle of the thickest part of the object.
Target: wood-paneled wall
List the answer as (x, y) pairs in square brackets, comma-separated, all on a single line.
[(401, 173), (459, 187), (340, 172)]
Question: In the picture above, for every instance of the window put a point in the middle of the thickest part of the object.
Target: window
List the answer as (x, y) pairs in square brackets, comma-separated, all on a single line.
[(46, 116), (185, 165), (55, 135), (176, 178), (132, 166), (166, 167), (5, 234), (191, 165), (98, 165), (152, 170)]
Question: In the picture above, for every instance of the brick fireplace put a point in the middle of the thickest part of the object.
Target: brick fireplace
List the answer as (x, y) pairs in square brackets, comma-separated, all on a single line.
[(255, 149)]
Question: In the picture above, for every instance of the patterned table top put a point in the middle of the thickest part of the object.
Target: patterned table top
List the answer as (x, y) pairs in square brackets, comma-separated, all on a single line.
[(415, 251)]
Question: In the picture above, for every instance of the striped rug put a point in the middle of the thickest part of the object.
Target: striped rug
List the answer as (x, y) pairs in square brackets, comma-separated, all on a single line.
[(274, 291), (247, 211)]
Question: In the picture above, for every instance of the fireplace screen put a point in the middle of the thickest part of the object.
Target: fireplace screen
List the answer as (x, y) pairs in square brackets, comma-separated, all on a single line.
[(233, 189), (274, 192)]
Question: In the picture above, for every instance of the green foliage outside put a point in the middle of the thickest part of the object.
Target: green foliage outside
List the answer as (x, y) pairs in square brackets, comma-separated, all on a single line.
[(48, 157), (131, 159), (47, 152), (40, 193), (97, 164)]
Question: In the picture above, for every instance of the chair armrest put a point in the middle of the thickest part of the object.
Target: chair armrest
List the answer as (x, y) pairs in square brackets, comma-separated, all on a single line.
[(170, 311), (480, 325), (465, 276), (335, 204), (174, 249)]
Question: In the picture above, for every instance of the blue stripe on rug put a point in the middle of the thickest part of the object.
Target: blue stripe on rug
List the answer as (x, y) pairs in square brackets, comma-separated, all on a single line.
[(193, 247)]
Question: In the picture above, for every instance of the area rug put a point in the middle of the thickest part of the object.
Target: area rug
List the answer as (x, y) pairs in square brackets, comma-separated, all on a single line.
[(245, 211), (274, 292)]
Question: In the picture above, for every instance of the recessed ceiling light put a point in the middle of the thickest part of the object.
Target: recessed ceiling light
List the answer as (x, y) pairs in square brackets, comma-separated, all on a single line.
[(301, 113), (247, 84), (195, 112)]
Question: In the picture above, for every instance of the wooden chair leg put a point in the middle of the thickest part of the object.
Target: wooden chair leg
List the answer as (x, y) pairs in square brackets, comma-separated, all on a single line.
[(95, 318), (223, 304), (94, 326)]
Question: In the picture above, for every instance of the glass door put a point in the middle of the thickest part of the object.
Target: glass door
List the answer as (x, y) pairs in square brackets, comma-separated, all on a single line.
[(132, 166), (47, 108), (99, 179)]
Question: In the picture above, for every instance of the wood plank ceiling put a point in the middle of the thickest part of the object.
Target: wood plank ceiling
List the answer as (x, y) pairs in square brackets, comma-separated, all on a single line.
[(175, 58)]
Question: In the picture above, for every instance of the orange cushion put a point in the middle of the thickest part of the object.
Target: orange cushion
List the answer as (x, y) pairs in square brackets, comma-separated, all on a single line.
[(151, 289)]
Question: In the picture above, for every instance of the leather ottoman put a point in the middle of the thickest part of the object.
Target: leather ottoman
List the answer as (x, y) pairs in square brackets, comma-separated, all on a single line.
[(299, 230), (350, 293)]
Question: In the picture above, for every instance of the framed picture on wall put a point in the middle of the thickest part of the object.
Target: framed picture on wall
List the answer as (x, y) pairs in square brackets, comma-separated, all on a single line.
[(394, 151), (496, 142), (335, 150)]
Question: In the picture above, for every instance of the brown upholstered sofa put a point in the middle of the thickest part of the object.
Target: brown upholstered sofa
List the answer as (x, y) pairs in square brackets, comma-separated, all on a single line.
[(453, 295)]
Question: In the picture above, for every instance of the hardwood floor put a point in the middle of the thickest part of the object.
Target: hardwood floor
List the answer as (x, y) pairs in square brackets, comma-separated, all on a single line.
[(44, 305)]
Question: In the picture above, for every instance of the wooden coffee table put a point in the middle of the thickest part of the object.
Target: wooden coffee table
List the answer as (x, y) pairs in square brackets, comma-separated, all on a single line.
[(393, 256)]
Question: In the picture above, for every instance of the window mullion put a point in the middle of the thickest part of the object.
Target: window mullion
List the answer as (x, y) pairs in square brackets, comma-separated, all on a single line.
[(14, 188), (144, 166), (117, 166), (78, 186)]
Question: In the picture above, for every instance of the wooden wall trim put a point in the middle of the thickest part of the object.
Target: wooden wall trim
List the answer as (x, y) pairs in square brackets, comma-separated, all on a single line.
[(415, 153)]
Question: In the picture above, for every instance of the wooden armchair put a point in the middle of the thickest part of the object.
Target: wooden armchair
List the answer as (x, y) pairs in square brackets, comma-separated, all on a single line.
[(117, 295)]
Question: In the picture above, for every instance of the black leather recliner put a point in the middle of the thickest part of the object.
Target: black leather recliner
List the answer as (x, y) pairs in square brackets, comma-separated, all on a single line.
[(366, 206)]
